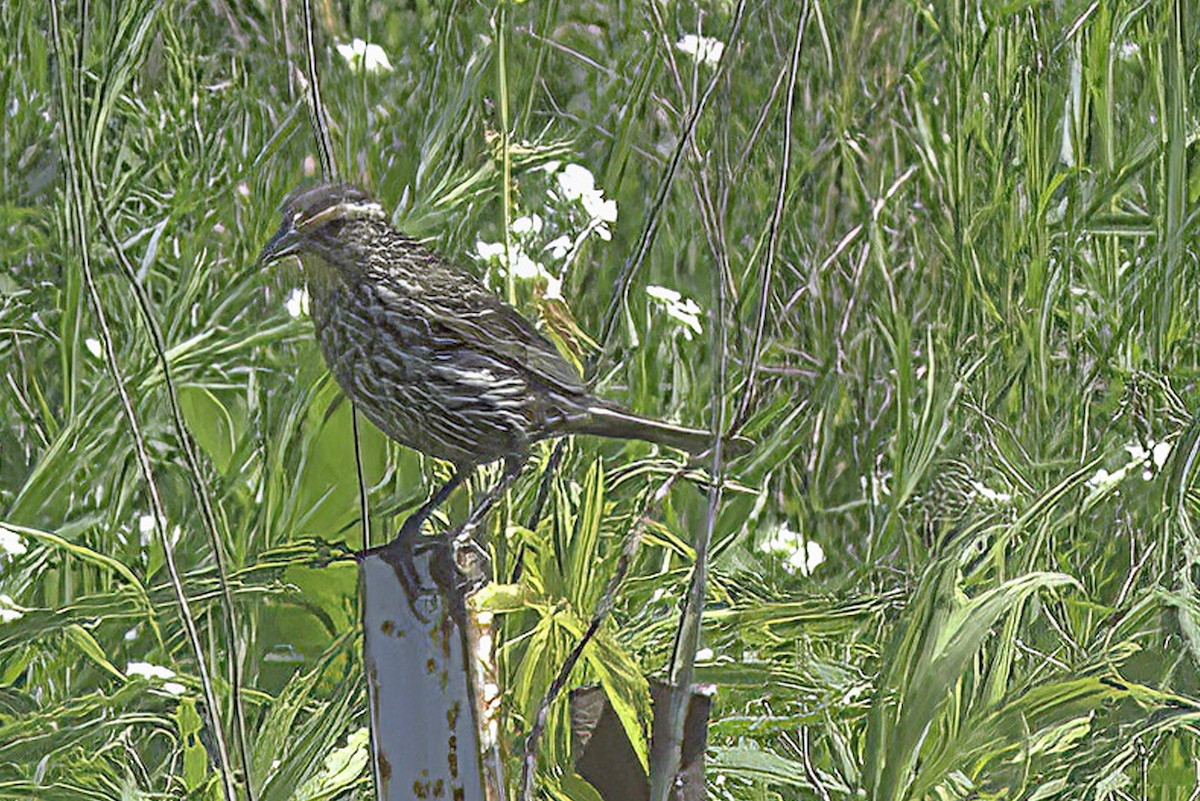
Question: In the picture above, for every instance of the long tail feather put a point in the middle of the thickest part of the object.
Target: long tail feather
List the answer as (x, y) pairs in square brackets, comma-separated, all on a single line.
[(609, 421)]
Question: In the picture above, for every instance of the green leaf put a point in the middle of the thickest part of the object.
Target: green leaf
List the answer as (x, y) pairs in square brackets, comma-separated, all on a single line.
[(210, 423), (195, 757)]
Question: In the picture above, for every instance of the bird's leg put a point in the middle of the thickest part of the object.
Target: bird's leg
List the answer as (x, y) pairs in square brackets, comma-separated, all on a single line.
[(399, 552), (461, 537)]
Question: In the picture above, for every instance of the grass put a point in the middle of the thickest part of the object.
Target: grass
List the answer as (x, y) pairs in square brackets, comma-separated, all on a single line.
[(969, 249)]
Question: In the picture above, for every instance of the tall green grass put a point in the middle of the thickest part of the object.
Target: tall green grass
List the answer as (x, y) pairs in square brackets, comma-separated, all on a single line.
[(972, 242)]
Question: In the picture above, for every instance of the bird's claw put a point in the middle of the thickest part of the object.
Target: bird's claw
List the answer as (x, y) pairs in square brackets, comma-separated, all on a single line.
[(400, 553)]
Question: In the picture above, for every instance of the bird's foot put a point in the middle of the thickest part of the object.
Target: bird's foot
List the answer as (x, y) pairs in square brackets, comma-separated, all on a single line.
[(400, 553)]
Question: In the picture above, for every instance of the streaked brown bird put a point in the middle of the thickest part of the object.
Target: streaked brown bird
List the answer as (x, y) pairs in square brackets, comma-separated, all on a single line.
[(430, 356)]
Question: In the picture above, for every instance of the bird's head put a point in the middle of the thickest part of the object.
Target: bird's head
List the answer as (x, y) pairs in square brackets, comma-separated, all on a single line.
[(328, 221)]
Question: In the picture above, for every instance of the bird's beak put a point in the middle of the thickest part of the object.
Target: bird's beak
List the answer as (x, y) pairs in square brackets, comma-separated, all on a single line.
[(285, 242)]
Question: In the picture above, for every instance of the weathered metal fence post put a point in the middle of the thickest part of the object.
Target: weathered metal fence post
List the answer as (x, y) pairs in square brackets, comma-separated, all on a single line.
[(426, 671)]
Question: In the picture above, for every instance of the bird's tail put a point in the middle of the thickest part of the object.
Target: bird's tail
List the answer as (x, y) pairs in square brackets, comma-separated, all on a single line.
[(604, 420)]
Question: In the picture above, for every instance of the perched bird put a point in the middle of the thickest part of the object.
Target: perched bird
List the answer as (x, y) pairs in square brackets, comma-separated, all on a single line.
[(429, 355)]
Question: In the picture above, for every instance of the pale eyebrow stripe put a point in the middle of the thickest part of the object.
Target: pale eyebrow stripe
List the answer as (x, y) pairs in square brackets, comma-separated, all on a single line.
[(347, 211)]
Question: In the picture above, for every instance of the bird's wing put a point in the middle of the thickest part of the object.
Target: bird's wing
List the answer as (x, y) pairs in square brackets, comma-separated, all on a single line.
[(490, 324), (465, 310)]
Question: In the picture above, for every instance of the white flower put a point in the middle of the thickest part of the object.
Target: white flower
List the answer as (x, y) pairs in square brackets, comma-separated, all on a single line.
[(522, 265), (530, 224), (490, 250), (9, 610), (1150, 457), (684, 310), (575, 181), (807, 559), (525, 267), (365, 56), (149, 670), (1129, 50), (705, 655), (553, 288), (11, 543), (704, 49), (1137, 453), (560, 247), (93, 346), (297, 302), (1104, 479), (174, 688), (598, 208), (1160, 453), (802, 555), (989, 494), (146, 529)]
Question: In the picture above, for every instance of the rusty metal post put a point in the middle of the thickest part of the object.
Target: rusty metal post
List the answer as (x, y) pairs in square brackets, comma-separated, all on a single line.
[(425, 738)]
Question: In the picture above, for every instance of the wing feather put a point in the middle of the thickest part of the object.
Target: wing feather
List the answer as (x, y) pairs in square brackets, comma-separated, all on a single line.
[(460, 308)]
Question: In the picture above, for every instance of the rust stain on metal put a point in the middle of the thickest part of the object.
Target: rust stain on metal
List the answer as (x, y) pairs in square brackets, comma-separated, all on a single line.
[(430, 665), (385, 768), (423, 788), (452, 755), (439, 789)]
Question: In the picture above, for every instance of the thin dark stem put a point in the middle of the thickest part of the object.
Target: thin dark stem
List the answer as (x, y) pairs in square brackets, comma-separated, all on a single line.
[(364, 501), (539, 503), (73, 158), (687, 640), (329, 171), (768, 264), (650, 229), (604, 605), (316, 108), (195, 477)]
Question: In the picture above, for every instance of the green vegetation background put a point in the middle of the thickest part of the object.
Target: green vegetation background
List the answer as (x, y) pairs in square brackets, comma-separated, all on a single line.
[(981, 304)]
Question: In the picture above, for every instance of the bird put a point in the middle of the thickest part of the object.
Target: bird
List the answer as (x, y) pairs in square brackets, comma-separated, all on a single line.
[(431, 356)]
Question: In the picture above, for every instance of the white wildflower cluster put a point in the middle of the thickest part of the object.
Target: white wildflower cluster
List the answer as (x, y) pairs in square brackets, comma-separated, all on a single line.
[(576, 183), (800, 554), (578, 209), (684, 311), (1147, 458), (704, 49), (364, 56), (158, 674)]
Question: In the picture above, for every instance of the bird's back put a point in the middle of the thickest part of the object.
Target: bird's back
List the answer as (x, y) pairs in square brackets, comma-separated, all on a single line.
[(437, 361)]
